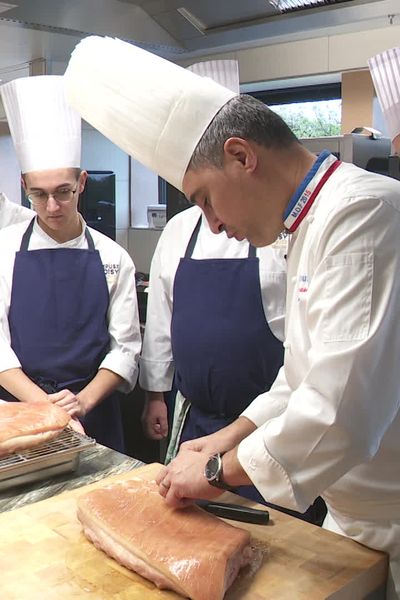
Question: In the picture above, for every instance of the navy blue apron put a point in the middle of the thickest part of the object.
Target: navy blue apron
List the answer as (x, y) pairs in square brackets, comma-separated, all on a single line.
[(224, 352), (59, 328)]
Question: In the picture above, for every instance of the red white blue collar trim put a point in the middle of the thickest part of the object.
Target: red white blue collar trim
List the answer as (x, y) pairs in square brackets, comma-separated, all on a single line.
[(308, 190)]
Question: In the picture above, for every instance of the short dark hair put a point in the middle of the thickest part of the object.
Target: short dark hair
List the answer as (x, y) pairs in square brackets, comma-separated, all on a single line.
[(244, 117)]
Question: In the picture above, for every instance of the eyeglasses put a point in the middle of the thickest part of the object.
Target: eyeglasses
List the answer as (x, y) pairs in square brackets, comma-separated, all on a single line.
[(41, 198)]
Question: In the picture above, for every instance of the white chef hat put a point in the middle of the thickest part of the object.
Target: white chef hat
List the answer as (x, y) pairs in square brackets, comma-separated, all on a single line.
[(385, 72), (224, 72), (151, 108), (45, 130)]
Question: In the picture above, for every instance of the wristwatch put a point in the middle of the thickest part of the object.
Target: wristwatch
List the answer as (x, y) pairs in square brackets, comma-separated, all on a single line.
[(214, 474)]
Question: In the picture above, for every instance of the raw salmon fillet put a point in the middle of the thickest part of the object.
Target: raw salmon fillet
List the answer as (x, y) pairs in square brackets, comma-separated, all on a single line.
[(24, 425), (189, 551)]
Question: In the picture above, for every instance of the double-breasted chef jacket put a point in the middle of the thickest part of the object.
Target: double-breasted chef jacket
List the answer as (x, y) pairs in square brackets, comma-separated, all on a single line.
[(11, 213), (106, 330), (330, 425)]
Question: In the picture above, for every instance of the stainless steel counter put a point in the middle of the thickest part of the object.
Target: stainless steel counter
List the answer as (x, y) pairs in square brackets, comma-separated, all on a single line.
[(96, 462)]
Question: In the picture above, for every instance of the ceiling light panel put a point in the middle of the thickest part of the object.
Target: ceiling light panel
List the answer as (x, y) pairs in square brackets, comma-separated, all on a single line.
[(5, 6), (285, 6)]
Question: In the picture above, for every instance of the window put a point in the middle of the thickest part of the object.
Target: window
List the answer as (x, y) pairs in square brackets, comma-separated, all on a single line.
[(310, 111)]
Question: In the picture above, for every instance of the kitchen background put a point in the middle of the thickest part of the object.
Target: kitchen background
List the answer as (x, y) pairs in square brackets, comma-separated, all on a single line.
[(331, 44)]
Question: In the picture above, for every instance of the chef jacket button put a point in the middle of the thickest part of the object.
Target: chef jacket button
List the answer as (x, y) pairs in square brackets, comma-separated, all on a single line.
[(253, 464), (286, 344), (310, 218)]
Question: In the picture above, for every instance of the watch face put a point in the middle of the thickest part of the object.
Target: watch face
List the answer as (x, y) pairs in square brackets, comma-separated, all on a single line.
[(212, 467)]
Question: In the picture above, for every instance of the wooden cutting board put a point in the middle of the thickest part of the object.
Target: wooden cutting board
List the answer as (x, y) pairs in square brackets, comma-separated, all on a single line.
[(44, 556)]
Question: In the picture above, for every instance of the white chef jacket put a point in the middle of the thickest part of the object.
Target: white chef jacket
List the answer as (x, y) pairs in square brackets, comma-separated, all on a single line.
[(330, 425), (11, 213), (156, 362), (123, 316)]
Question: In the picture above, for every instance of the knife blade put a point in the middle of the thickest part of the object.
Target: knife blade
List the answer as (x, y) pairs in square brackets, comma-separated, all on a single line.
[(235, 512)]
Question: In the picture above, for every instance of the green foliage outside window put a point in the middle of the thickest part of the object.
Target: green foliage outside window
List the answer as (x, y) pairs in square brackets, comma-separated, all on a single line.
[(312, 119)]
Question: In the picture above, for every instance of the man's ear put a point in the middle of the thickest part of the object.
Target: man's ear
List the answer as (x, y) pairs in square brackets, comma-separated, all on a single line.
[(238, 149), (82, 181), (23, 183)]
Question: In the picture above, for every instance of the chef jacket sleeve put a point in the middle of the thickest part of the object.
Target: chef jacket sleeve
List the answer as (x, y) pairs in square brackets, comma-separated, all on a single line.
[(123, 324), (270, 404), (8, 358), (341, 357), (156, 361)]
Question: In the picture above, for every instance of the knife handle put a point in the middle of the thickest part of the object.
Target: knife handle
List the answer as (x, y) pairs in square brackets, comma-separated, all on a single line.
[(235, 512)]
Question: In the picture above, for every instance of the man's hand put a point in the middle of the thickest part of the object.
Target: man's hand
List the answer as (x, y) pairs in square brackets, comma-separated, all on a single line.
[(183, 480), (76, 425), (68, 401), (155, 416)]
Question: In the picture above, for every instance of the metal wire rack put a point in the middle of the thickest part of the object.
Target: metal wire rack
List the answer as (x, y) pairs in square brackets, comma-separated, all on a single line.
[(51, 458)]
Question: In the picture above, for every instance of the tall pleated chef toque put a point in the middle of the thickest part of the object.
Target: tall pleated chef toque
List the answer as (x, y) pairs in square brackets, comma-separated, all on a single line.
[(153, 109), (385, 72), (45, 130)]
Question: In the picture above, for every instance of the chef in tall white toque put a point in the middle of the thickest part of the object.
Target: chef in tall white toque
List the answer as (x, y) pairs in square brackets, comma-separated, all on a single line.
[(217, 369), (69, 327), (330, 424), (385, 72)]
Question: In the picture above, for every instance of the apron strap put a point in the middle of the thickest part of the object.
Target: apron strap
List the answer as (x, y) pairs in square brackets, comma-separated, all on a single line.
[(89, 239), (193, 240), (252, 252), (27, 236)]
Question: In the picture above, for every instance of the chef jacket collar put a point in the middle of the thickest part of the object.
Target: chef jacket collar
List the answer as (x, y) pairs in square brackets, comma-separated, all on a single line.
[(304, 196), (49, 241)]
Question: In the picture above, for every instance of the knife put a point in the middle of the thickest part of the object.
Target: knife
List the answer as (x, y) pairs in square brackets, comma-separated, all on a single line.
[(235, 512)]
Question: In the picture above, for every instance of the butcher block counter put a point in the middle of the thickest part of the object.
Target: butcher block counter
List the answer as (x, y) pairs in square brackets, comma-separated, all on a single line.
[(45, 556)]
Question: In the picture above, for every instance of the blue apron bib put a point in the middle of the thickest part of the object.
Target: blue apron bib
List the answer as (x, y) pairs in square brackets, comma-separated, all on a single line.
[(58, 326), (224, 352)]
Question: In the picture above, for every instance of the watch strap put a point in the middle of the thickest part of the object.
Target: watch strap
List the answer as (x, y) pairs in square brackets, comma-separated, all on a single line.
[(218, 479)]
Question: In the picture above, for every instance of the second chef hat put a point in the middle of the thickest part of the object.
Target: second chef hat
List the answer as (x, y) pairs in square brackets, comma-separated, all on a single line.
[(151, 108), (385, 72), (224, 72), (45, 130)]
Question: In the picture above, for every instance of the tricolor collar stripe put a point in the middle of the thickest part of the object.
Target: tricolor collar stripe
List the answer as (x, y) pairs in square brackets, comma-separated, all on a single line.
[(307, 179), (315, 193), (301, 202)]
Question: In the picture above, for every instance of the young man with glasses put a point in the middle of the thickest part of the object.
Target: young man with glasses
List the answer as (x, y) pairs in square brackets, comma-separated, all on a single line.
[(69, 327)]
